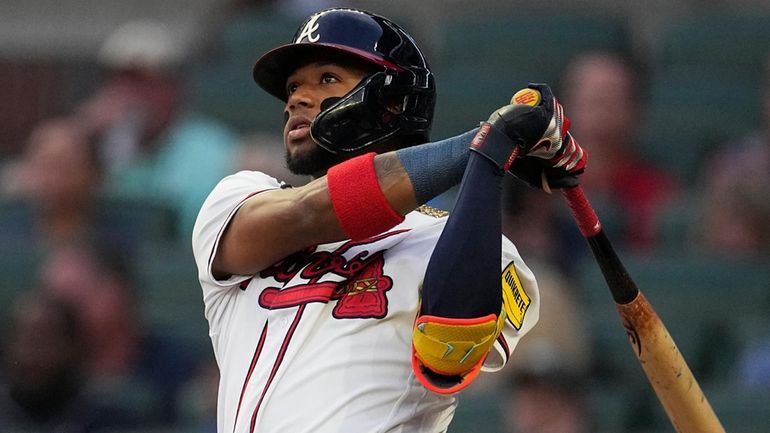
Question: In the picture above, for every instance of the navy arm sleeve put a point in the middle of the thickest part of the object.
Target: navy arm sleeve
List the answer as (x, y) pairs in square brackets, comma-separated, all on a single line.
[(463, 275)]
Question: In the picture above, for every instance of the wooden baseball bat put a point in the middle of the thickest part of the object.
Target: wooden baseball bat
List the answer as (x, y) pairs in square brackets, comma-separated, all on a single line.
[(665, 367)]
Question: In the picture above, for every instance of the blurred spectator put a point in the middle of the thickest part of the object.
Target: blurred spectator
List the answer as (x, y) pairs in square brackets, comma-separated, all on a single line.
[(133, 367), (735, 189), (153, 146), (51, 192), (547, 398), (198, 402), (538, 223), (753, 370), (601, 92), (264, 152), (734, 222), (45, 372)]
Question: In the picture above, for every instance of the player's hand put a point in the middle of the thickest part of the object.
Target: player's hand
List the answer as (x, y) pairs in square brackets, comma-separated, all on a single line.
[(555, 159), (533, 129), (509, 132)]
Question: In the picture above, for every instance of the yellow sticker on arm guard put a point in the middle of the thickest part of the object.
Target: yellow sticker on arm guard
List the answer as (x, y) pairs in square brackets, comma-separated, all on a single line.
[(515, 298)]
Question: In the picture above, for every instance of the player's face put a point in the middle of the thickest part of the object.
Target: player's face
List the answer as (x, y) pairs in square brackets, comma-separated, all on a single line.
[(307, 88)]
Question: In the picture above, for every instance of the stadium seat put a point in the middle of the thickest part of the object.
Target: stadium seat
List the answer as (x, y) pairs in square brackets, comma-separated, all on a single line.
[(143, 219), (700, 300), (478, 413), (676, 225), (739, 410), (221, 84), (18, 267), (705, 87), (482, 62), (171, 301), (693, 110), (695, 297), (724, 38)]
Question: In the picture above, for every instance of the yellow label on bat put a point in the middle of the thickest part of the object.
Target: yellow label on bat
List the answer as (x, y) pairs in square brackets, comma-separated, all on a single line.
[(515, 298), (526, 96)]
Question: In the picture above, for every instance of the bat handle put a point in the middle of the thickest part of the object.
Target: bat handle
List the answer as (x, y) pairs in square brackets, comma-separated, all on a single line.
[(585, 216), (622, 287)]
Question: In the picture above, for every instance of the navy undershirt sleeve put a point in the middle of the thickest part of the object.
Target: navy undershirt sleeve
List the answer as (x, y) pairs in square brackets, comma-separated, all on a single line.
[(463, 275), (433, 168)]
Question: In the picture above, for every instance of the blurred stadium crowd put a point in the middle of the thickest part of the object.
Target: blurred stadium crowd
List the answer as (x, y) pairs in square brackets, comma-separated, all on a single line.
[(106, 154)]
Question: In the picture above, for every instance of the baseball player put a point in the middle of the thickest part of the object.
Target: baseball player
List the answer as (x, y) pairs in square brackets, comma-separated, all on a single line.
[(346, 305)]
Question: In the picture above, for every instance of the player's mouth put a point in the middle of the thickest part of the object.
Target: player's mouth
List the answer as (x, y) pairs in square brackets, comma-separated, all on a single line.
[(298, 127)]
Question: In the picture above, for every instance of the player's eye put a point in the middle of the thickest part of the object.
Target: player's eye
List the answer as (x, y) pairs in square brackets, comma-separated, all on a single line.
[(291, 88), (328, 78)]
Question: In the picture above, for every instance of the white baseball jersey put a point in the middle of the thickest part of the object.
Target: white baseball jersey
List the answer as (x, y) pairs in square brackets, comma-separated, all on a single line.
[(321, 341)]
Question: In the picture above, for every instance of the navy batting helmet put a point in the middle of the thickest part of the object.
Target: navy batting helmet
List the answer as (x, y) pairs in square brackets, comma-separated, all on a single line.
[(365, 115)]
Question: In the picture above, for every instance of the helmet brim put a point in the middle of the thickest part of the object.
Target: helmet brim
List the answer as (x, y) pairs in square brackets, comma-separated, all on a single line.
[(274, 67)]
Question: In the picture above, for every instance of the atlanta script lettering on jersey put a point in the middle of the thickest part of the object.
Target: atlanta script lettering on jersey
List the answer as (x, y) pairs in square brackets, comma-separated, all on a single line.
[(360, 295)]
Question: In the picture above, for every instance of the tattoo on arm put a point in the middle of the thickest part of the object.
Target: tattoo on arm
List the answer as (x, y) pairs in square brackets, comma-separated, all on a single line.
[(395, 183)]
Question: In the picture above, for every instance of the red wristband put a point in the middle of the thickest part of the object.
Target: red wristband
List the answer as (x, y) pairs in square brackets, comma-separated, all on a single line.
[(358, 200)]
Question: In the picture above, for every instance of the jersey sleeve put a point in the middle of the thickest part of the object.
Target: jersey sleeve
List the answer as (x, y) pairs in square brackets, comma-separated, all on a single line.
[(521, 300), (217, 211)]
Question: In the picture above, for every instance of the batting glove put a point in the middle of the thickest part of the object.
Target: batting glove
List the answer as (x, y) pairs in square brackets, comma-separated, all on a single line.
[(509, 132), (529, 138), (555, 159)]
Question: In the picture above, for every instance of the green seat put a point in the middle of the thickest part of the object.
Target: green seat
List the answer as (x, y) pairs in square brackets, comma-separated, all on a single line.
[(675, 226), (725, 37), (696, 297), (705, 87), (144, 219), (482, 62), (226, 91), (222, 86), (171, 300), (19, 264), (691, 110), (249, 35), (740, 411), (478, 413)]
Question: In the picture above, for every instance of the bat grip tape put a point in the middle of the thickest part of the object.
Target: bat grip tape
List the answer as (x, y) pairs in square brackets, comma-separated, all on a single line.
[(585, 216)]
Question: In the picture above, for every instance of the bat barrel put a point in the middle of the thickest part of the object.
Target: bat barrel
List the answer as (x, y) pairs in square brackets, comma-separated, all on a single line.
[(665, 367)]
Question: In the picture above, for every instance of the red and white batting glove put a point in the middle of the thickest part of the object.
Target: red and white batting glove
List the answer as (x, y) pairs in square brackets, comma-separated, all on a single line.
[(556, 159)]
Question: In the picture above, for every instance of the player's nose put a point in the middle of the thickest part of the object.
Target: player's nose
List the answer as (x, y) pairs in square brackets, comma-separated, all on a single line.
[(301, 97)]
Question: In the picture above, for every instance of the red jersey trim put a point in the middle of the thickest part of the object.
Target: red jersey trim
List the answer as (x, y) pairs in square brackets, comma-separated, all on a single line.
[(276, 364), (254, 359)]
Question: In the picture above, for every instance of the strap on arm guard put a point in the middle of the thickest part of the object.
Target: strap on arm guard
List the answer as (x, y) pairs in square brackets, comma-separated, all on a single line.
[(447, 353)]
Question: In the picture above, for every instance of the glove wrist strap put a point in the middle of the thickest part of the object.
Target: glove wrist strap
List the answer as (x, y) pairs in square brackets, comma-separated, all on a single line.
[(494, 145)]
